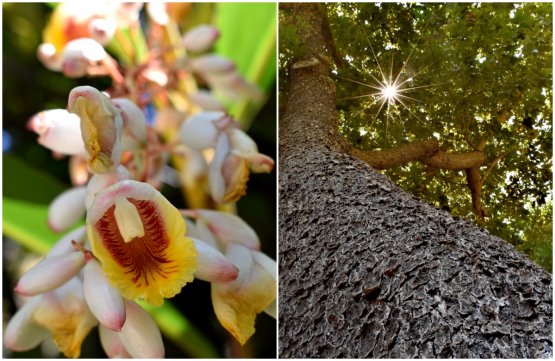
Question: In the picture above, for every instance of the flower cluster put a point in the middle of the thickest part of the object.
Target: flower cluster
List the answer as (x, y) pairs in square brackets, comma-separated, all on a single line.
[(135, 244)]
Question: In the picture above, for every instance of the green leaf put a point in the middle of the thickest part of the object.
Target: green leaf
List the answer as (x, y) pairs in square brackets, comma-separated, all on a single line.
[(27, 193), (23, 182), (26, 223), (251, 44)]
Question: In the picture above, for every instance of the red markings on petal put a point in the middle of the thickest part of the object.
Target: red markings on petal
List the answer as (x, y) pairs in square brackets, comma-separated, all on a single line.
[(144, 258)]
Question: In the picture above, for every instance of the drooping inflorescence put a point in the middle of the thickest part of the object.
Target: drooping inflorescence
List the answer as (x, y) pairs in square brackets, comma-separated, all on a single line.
[(136, 245)]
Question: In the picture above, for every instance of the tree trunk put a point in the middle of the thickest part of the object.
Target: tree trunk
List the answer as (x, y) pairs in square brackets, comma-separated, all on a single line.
[(367, 270)]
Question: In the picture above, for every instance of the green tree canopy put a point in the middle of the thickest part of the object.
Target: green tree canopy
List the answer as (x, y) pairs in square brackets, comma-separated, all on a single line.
[(473, 77)]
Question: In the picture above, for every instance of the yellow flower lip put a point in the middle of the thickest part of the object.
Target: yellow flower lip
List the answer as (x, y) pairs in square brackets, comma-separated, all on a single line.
[(153, 264)]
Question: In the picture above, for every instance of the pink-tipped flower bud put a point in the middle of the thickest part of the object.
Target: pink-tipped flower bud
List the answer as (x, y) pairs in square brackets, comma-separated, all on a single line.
[(212, 264), (199, 131), (104, 301), (140, 334), (66, 209), (58, 131), (211, 63), (50, 273), (200, 38)]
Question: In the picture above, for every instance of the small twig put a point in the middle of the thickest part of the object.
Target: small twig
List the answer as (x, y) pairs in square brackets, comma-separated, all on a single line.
[(490, 168)]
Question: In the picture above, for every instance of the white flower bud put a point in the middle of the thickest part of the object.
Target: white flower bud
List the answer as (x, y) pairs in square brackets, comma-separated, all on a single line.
[(104, 301), (227, 227), (199, 131), (140, 334), (211, 63), (66, 209), (200, 38)]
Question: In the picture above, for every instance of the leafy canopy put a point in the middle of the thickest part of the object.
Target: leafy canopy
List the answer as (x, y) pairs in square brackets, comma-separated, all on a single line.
[(480, 74)]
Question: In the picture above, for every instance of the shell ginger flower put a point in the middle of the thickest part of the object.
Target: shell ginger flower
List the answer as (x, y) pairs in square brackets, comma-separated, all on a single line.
[(139, 238)]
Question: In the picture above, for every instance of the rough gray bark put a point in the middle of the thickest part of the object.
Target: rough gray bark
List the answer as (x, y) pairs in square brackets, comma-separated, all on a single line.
[(367, 270)]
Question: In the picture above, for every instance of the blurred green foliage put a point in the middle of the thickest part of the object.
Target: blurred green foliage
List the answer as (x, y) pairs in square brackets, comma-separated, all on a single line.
[(480, 72)]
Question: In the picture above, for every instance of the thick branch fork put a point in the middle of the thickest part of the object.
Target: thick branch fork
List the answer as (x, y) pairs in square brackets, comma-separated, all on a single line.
[(429, 153), (426, 151)]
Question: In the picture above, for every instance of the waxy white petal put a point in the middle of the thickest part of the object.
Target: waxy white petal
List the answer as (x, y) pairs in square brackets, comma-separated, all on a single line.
[(212, 264), (22, 333), (59, 131), (112, 344), (50, 273), (64, 245), (140, 334), (66, 209), (104, 301), (199, 131), (200, 38)]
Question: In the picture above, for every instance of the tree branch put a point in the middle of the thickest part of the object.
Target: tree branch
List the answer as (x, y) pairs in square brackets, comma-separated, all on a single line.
[(475, 186), (455, 161), (394, 157)]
